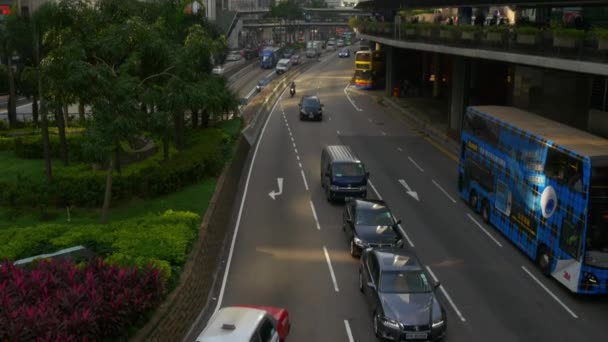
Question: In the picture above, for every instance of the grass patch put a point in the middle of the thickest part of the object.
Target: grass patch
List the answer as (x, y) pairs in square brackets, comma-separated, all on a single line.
[(194, 198), (11, 166)]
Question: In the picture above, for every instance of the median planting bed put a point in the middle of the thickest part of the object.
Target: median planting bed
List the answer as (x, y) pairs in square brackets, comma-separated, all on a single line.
[(139, 255)]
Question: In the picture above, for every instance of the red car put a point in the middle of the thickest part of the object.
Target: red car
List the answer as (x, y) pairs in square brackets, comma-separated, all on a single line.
[(295, 59), (247, 323)]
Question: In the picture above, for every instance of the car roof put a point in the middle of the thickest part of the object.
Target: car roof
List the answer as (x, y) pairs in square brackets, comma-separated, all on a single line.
[(314, 97), (264, 81), (341, 153), (284, 60), (370, 204), (397, 259), (232, 324)]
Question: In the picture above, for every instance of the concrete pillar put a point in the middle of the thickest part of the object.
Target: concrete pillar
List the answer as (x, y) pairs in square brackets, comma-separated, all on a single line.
[(391, 69), (437, 72), (465, 15), (460, 88)]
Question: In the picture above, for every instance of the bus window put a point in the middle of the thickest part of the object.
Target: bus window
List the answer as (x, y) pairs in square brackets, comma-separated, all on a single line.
[(482, 128), (565, 169)]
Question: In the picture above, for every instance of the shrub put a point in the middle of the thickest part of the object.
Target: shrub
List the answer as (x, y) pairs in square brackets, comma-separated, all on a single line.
[(530, 30), (497, 29), (600, 33), (61, 301), (30, 147), (163, 240), (468, 28), (7, 144), (3, 125)]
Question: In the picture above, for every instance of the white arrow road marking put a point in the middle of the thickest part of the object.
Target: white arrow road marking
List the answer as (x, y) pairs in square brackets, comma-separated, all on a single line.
[(409, 190), (273, 193)]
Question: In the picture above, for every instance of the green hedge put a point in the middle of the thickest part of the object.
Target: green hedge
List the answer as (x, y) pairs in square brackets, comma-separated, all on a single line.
[(79, 185), (7, 144), (162, 239), (30, 147)]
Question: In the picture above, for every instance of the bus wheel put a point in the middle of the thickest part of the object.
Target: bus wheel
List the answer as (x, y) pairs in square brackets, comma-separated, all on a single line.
[(473, 199), (485, 211), (544, 259)]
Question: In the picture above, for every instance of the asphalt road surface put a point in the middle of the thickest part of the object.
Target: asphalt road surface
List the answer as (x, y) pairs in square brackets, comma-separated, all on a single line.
[(291, 252)]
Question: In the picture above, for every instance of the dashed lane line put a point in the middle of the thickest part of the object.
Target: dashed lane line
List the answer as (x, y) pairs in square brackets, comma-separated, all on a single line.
[(484, 230), (331, 270), (549, 292), (415, 164), (304, 178), (374, 188), (314, 214), (444, 192), (447, 296), (349, 333)]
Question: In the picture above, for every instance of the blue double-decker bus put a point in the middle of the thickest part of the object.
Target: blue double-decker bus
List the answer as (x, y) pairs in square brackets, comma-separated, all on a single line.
[(544, 185)]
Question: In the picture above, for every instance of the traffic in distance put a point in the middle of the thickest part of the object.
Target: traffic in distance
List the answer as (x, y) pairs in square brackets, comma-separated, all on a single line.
[(543, 185)]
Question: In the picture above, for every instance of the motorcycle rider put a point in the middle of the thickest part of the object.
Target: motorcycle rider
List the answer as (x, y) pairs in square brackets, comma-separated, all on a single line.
[(292, 89)]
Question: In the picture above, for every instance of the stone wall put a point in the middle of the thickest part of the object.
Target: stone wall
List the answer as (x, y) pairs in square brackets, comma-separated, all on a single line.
[(174, 317)]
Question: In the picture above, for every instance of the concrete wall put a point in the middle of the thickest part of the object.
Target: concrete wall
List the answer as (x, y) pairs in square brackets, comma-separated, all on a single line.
[(598, 123), (557, 95)]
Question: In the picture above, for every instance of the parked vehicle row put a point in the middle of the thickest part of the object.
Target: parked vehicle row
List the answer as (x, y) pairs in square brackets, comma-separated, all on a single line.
[(399, 290)]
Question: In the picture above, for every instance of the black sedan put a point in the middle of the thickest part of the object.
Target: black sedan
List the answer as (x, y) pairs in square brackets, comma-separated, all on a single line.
[(402, 296), (344, 53), (311, 108), (370, 223)]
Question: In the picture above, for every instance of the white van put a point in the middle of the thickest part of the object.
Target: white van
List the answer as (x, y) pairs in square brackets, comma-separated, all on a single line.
[(283, 66)]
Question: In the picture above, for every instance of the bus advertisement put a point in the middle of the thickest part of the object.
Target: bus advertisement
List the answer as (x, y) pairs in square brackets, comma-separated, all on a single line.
[(544, 185), (369, 69)]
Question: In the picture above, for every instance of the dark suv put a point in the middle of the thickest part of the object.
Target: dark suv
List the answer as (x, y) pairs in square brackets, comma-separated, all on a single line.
[(311, 108), (401, 295), (370, 223)]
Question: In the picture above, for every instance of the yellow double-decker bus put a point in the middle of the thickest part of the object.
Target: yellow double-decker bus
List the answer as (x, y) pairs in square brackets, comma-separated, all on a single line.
[(369, 69)]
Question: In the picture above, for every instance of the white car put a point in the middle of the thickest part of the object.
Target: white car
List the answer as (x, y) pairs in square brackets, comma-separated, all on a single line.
[(218, 70), (283, 65), (247, 323), (233, 56)]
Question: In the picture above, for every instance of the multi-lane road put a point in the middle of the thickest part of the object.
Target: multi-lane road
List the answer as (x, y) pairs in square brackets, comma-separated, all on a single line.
[(290, 251)]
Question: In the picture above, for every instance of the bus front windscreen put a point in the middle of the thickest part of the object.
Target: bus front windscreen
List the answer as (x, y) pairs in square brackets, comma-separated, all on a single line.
[(597, 225)]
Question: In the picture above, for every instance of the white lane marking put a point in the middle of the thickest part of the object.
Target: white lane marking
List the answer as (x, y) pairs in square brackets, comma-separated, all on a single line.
[(297, 157), (399, 149), (447, 296), (329, 117), (331, 270), (295, 149), (370, 120), (294, 145), (550, 293), (300, 164), (406, 236), (444, 192), (415, 164), (348, 331), (250, 93), (238, 219), (383, 132), (350, 100), (314, 214), (374, 188), (338, 132), (304, 178), (484, 230)]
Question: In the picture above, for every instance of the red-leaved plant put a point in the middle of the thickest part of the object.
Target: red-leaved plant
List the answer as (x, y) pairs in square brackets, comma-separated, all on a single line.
[(58, 301)]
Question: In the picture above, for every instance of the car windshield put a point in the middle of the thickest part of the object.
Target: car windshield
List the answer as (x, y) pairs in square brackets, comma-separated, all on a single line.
[(377, 215), (310, 103), (348, 170), (263, 82), (404, 282), (283, 65)]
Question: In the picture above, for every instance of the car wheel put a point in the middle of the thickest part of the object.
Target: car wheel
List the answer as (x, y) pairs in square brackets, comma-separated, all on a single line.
[(328, 194), (485, 211), (360, 281), (544, 260), (473, 199), (376, 324), (301, 117), (353, 248)]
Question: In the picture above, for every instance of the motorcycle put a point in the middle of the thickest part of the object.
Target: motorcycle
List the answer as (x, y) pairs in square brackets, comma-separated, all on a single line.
[(292, 91)]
